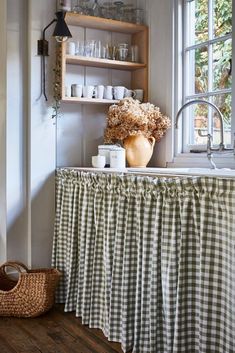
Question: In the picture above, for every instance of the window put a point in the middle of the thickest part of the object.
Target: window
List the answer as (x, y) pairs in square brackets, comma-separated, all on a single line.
[(207, 68)]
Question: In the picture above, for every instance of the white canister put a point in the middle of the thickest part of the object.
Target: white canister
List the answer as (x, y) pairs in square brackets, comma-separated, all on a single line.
[(104, 150), (118, 158)]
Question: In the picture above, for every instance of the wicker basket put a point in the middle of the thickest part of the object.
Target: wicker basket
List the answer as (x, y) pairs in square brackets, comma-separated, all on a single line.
[(29, 296)]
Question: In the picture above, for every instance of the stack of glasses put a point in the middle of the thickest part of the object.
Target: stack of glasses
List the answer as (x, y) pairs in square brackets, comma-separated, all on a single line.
[(116, 10), (95, 49)]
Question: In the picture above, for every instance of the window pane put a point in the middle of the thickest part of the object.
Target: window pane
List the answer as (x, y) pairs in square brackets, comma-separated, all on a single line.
[(201, 20), (224, 103), (222, 17), (198, 117), (198, 21), (198, 78), (222, 65)]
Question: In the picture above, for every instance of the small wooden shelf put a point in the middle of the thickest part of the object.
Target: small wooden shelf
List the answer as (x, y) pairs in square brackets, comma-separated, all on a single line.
[(88, 100), (138, 71), (75, 19), (104, 63)]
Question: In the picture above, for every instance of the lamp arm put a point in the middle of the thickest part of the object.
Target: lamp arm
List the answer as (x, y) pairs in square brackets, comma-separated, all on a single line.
[(44, 30), (44, 61)]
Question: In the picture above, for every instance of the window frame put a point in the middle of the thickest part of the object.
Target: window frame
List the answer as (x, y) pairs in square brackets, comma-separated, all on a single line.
[(182, 134)]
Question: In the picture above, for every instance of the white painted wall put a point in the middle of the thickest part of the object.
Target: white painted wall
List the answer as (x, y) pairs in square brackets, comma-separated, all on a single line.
[(3, 82), (42, 138), (16, 130), (161, 31), (30, 137)]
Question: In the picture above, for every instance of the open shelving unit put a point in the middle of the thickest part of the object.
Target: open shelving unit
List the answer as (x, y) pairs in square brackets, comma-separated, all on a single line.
[(139, 71)]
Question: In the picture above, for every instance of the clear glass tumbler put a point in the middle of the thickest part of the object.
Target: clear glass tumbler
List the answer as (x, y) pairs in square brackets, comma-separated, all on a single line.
[(139, 16)]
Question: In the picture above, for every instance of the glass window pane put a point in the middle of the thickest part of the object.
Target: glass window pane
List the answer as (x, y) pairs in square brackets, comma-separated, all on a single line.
[(222, 17), (201, 20), (198, 21), (198, 114), (198, 64), (224, 103), (222, 65)]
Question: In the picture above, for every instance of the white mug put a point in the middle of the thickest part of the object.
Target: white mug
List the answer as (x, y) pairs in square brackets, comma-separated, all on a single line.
[(108, 92), (139, 94), (99, 92), (76, 90), (67, 91), (118, 92), (129, 93), (88, 91), (71, 48), (98, 161)]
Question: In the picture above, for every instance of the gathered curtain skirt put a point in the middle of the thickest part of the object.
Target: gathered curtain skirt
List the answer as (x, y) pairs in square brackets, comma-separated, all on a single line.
[(150, 261)]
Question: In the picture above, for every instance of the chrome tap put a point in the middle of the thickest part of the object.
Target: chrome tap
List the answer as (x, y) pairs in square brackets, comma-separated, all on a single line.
[(209, 137)]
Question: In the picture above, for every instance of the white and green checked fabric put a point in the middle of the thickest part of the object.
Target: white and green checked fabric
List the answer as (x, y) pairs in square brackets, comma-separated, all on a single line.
[(149, 261)]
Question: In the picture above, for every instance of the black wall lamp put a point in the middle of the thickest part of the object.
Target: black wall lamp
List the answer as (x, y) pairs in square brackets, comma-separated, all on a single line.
[(61, 34)]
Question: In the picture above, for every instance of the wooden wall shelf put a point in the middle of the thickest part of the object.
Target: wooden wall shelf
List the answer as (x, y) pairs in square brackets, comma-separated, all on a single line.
[(104, 63), (88, 100), (139, 71), (75, 19)]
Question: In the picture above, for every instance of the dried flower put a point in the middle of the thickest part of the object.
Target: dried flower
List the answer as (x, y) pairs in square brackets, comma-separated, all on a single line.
[(129, 117)]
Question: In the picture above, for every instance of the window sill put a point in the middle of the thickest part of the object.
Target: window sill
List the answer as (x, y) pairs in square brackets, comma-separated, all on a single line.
[(199, 160)]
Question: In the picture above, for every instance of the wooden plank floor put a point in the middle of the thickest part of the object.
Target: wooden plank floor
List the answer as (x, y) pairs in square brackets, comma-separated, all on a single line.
[(54, 332)]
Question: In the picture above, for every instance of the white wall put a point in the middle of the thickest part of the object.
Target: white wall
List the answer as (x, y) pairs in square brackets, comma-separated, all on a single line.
[(3, 61), (31, 144), (16, 130), (161, 22), (42, 138)]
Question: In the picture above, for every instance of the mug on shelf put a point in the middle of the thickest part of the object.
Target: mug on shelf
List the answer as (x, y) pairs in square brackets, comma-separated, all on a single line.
[(67, 91), (118, 92), (129, 93), (139, 94), (88, 91), (98, 161), (76, 90), (108, 92), (99, 92)]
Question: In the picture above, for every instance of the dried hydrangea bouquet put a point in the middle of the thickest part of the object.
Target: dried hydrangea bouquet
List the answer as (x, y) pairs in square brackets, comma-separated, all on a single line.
[(137, 125)]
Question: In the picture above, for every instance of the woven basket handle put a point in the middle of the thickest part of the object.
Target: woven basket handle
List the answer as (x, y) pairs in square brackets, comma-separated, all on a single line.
[(19, 266)]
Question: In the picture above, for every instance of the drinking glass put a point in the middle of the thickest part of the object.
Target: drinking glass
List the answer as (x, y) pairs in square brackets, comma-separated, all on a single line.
[(119, 10), (108, 10), (134, 53), (128, 13), (96, 9), (139, 16), (90, 46), (80, 48), (83, 7), (122, 53)]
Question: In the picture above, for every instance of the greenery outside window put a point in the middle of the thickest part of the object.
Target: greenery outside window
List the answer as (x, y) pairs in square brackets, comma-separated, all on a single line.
[(207, 69)]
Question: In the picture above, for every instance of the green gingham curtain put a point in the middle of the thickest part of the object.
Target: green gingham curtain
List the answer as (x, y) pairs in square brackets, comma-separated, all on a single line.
[(150, 261)]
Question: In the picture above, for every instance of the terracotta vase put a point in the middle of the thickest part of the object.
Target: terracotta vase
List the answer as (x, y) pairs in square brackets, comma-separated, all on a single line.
[(139, 150)]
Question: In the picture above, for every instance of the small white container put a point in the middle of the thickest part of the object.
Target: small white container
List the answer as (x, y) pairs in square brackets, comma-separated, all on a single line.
[(98, 161), (104, 150), (118, 158)]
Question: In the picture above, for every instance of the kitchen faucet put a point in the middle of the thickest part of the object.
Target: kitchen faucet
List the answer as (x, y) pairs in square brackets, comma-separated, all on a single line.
[(209, 136)]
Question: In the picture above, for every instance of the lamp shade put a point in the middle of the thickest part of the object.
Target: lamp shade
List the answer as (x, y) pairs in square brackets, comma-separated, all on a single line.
[(61, 31)]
